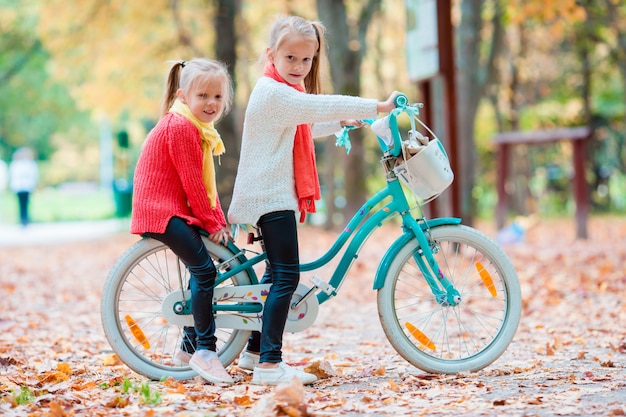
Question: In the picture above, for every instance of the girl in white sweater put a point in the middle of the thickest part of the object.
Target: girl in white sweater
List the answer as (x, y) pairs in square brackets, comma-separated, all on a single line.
[(277, 175)]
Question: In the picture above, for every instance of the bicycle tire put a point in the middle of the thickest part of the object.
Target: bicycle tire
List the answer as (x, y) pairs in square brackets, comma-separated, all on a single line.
[(464, 338), (133, 296)]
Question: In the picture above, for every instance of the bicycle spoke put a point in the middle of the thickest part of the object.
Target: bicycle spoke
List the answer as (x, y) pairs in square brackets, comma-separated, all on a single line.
[(467, 334), (136, 288)]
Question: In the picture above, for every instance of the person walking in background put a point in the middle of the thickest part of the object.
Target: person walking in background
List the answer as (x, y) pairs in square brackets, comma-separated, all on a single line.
[(277, 174), (23, 179), (175, 194)]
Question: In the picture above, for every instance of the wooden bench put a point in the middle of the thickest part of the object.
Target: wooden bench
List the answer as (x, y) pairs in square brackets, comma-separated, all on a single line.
[(577, 136)]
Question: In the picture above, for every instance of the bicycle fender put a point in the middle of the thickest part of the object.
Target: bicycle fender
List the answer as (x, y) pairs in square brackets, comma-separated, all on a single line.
[(406, 237), (441, 221)]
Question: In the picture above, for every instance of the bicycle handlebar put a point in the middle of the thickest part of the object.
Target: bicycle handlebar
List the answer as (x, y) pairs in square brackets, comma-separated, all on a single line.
[(401, 100), (385, 128)]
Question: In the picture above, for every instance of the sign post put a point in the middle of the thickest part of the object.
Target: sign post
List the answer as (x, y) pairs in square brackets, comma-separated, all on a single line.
[(422, 40), (430, 59)]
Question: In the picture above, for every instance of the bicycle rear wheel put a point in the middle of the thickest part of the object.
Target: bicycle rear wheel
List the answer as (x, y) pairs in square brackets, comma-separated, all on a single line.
[(451, 339), (132, 310)]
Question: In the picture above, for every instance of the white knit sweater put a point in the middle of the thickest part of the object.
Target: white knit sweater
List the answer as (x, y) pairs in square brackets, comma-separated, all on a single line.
[(265, 177)]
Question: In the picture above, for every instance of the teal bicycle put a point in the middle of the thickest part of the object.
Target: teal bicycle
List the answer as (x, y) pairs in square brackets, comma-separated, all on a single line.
[(448, 297)]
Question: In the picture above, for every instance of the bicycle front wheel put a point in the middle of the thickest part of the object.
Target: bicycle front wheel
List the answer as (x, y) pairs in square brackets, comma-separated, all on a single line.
[(449, 339), (136, 303)]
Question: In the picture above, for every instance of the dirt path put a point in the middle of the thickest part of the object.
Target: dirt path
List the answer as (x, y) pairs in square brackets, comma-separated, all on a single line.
[(568, 357)]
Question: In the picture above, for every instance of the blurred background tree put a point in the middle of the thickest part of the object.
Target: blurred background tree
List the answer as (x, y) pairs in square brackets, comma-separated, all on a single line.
[(69, 70), (35, 108), (554, 65)]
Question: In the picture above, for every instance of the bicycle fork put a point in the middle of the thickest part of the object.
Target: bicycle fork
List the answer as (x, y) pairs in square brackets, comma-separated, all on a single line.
[(445, 293)]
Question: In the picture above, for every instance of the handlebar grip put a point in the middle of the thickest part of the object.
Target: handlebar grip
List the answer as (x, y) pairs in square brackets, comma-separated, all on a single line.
[(401, 100)]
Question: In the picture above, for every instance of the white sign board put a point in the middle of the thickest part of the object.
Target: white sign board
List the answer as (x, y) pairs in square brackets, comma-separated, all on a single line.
[(422, 46)]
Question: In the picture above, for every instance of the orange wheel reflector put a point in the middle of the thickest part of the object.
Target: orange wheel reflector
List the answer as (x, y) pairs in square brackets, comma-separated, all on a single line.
[(421, 337), (486, 277), (137, 332)]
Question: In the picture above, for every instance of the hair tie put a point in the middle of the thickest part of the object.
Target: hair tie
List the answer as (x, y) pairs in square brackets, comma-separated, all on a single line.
[(317, 35), (183, 63)]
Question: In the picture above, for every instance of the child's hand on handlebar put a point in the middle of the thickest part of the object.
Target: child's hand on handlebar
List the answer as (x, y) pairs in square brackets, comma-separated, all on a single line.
[(389, 104)]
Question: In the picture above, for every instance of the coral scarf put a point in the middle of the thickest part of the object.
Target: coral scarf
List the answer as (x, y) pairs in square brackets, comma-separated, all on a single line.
[(211, 145), (305, 170)]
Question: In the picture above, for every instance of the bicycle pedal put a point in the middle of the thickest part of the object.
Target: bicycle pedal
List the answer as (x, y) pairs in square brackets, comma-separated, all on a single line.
[(322, 285)]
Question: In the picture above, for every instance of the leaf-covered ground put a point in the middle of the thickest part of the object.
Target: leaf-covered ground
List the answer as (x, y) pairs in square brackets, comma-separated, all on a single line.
[(568, 357)]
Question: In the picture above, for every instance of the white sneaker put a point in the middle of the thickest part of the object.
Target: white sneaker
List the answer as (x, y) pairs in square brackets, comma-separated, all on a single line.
[(283, 373), (182, 358), (210, 368), (248, 360)]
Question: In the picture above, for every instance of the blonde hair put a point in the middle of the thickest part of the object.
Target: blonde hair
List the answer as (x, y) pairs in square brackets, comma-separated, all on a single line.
[(188, 74), (289, 26)]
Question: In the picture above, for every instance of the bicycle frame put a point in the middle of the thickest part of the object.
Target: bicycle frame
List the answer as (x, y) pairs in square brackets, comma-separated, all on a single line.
[(362, 225)]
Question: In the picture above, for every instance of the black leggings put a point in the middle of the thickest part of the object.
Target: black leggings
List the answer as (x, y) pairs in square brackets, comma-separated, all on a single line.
[(23, 199), (186, 242), (280, 235)]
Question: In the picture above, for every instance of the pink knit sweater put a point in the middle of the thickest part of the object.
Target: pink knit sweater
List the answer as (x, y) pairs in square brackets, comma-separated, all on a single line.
[(168, 180)]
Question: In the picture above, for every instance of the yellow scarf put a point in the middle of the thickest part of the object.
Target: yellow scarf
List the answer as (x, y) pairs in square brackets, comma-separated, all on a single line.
[(211, 145)]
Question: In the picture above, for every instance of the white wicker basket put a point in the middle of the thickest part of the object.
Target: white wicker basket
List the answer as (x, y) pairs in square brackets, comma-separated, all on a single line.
[(428, 172)]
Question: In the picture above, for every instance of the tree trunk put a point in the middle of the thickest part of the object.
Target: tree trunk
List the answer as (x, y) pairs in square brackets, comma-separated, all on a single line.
[(230, 130), (469, 88), (616, 13), (476, 79), (346, 50)]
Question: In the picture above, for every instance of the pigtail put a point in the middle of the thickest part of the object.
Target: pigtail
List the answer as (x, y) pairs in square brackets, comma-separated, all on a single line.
[(171, 85), (313, 80)]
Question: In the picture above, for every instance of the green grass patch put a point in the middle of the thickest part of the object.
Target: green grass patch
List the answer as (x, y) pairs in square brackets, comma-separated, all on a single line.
[(60, 205), (24, 396), (149, 394)]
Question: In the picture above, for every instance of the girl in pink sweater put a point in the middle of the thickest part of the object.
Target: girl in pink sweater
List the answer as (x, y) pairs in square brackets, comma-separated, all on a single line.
[(175, 194)]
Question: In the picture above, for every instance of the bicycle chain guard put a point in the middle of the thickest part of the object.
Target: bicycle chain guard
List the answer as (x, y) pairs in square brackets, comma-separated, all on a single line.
[(298, 319)]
